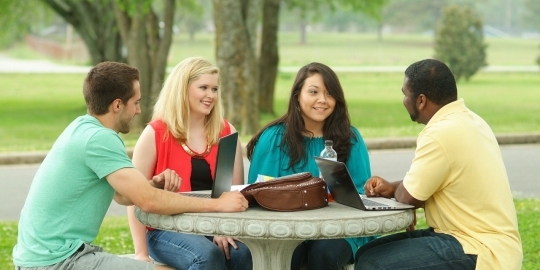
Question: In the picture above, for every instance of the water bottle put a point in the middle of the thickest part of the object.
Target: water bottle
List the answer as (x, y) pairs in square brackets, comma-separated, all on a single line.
[(328, 153)]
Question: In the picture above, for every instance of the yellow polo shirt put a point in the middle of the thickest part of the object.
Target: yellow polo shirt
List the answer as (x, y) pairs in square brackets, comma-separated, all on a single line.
[(459, 172)]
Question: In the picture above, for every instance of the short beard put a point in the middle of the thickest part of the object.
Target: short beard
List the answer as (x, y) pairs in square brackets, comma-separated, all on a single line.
[(414, 115), (125, 126)]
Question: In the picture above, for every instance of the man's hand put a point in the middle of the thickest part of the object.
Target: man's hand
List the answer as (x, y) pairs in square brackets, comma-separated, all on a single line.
[(167, 180), (378, 187), (223, 244), (232, 201)]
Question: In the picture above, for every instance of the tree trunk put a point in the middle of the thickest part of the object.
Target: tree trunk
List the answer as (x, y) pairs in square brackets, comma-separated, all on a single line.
[(269, 56), (236, 23), (147, 49), (303, 29), (380, 26), (96, 24)]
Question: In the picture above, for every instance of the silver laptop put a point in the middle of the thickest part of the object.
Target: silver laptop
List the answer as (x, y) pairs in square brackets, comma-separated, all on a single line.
[(226, 155), (341, 186)]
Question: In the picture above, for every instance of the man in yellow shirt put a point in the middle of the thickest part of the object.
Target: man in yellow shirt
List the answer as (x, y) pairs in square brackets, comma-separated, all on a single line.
[(458, 177)]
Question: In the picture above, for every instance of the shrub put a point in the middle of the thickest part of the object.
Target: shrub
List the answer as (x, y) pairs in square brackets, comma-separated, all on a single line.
[(459, 41)]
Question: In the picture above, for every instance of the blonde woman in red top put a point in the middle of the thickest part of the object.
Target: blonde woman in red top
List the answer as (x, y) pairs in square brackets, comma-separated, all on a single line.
[(186, 125)]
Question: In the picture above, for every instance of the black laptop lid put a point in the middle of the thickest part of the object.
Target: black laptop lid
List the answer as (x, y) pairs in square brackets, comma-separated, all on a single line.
[(225, 164), (339, 182)]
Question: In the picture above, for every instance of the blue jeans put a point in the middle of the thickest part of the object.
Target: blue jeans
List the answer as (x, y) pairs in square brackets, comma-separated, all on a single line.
[(188, 251), (322, 254), (419, 249)]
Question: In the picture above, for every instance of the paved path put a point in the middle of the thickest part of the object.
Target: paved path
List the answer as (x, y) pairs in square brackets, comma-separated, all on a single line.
[(8, 65), (522, 163)]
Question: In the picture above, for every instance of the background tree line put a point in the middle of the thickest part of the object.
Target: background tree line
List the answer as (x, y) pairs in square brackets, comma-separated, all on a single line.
[(140, 32)]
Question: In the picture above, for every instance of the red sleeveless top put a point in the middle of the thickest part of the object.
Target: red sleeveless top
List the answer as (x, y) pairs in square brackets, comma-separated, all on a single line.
[(171, 155)]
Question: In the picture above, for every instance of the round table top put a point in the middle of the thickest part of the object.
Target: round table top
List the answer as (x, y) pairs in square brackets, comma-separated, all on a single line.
[(332, 221)]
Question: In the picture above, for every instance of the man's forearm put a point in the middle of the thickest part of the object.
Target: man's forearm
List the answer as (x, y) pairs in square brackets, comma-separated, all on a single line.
[(395, 185), (164, 202), (122, 200), (153, 184), (402, 195)]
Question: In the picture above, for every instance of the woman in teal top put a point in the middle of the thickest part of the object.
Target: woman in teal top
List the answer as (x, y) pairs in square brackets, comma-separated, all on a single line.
[(317, 111), (269, 159)]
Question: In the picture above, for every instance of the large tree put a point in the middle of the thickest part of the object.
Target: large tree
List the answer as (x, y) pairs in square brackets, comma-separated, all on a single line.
[(147, 43), (95, 22), (371, 8), (18, 18), (236, 54), (142, 27), (269, 56), (269, 50)]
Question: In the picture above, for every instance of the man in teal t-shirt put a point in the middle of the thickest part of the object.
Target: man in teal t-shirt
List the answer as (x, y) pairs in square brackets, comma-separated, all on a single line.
[(86, 168), (70, 183)]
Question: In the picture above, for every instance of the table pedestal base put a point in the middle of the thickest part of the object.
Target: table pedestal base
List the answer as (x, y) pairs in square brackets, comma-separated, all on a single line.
[(271, 253)]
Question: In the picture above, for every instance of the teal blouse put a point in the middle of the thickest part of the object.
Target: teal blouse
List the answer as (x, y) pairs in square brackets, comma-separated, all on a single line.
[(269, 160)]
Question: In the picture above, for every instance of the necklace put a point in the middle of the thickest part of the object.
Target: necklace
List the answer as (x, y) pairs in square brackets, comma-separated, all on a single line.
[(192, 153)]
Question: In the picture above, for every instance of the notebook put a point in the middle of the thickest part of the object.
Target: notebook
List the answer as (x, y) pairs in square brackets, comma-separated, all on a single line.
[(341, 186), (226, 154)]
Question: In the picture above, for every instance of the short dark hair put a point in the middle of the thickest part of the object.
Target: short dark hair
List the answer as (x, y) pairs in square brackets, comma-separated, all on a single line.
[(337, 126), (432, 78), (106, 82)]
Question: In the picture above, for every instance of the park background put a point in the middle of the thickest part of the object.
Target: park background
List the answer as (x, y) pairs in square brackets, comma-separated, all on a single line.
[(369, 56)]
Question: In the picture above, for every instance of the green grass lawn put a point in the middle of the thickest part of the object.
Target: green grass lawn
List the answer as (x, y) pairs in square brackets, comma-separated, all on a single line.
[(341, 49), (35, 108), (358, 49), (115, 237)]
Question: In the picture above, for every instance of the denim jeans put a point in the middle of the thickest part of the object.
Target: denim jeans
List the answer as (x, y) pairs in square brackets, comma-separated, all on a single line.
[(188, 251), (419, 249), (325, 254)]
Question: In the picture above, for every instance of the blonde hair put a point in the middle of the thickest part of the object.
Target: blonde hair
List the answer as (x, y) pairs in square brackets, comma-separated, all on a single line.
[(172, 105)]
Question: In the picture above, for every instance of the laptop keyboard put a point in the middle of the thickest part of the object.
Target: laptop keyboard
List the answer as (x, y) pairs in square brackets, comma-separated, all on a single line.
[(368, 202), (198, 195)]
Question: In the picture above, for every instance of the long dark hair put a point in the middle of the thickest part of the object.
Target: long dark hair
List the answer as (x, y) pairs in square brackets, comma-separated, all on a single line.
[(337, 127)]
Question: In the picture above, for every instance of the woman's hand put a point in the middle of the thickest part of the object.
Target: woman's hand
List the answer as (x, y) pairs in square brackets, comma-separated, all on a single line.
[(223, 244)]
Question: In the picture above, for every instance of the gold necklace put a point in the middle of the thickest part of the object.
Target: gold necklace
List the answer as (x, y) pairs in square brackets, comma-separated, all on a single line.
[(192, 153)]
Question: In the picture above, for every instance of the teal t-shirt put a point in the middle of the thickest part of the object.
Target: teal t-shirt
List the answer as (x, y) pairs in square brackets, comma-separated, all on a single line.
[(268, 159), (69, 196)]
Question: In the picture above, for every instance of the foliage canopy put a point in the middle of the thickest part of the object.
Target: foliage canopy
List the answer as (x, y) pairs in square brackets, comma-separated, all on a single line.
[(18, 18)]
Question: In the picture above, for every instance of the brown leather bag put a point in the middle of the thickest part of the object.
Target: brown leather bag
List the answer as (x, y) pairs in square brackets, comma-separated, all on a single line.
[(300, 191)]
